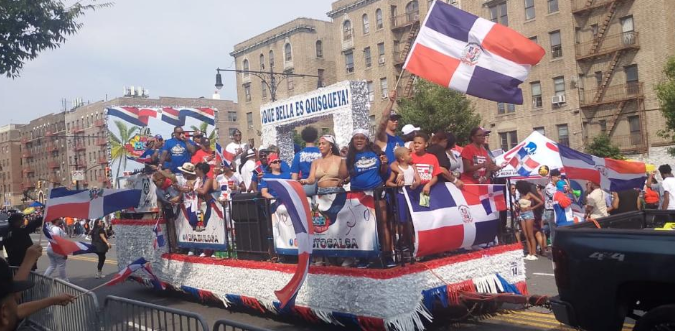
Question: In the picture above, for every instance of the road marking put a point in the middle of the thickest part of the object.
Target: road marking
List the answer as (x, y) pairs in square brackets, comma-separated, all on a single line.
[(532, 323), (139, 327), (548, 318), (542, 274)]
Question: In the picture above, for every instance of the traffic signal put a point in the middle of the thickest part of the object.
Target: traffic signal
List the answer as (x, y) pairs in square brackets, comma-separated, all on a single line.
[(39, 184), (107, 172)]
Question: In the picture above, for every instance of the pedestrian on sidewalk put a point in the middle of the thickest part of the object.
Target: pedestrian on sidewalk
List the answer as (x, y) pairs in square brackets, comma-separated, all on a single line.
[(57, 262), (100, 240)]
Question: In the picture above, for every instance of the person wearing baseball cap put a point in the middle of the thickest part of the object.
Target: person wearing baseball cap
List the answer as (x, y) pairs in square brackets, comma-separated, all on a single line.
[(17, 239), (408, 132), (386, 137), (273, 172)]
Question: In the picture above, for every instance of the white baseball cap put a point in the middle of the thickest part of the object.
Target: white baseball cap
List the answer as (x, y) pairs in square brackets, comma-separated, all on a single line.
[(409, 128)]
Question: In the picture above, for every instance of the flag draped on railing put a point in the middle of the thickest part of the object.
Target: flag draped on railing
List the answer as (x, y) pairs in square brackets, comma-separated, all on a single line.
[(472, 55), (455, 218), (293, 197)]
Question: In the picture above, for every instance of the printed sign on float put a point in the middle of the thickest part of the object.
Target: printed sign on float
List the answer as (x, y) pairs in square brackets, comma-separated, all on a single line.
[(316, 103), (344, 226), (202, 227), (142, 182)]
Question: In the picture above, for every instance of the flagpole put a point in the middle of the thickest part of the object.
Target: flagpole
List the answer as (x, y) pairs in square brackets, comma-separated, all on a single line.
[(399, 79), (92, 290)]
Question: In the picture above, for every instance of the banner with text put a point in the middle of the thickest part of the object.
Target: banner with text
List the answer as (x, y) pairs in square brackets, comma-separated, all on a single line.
[(201, 225), (344, 225), (317, 103), (142, 182)]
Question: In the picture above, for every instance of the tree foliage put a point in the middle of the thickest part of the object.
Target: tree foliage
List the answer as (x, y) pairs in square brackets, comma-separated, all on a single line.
[(28, 27), (434, 108), (602, 146), (665, 92)]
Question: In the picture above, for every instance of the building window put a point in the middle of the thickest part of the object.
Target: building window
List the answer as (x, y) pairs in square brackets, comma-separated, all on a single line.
[(378, 19), (559, 85), (289, 80), (371, 92), (498, 14), (366, 57), (263, 90), (319, 49), (320, 73), (631, 73), (271, 56), (412, 11), (232, 116), (552, 6), (384, 89), (245, 68), (349, 62), (535, 87), (635, 131), (262, 62), (366, 24), (529, 10), (563, 135), (247, 91), (249, 120), (540, 129), (598, 78), (508, 139), (380, 53), (534, 39), (503, 108), (556, 46), (628, 30), (288, 55), (603, 125), (347, 30)]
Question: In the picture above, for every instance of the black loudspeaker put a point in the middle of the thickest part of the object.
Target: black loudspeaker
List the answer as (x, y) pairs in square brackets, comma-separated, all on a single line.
[(252, 226)]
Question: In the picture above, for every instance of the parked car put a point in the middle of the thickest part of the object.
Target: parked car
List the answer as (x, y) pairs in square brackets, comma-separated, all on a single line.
[(624, 268)]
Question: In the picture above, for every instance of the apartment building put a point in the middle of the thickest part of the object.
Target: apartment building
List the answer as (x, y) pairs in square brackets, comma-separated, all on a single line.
[(302, 46), (43, 155), (88, 140), (10, 165), (603, 60)]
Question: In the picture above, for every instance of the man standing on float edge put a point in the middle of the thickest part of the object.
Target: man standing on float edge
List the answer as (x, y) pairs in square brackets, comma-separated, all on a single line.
[(386, 136)]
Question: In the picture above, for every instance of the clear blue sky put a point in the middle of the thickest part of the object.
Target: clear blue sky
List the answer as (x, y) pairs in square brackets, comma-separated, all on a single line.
[(170, 47)]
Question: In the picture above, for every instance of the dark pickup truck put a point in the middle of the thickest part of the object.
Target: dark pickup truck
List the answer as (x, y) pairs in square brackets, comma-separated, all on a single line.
[(625, 268)]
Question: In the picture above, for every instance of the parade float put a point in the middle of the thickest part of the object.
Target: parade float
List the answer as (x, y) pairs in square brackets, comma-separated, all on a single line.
[(399, 298)]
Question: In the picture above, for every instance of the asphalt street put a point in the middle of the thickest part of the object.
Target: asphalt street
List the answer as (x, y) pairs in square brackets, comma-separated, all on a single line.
[(82, 270)]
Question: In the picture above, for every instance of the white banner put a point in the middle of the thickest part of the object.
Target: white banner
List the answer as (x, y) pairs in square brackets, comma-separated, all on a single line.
[(143, 182), (201, 228), (344, 225)]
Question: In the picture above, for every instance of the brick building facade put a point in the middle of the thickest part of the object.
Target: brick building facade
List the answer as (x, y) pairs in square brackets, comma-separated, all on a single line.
[(10, 165), (301, 46)]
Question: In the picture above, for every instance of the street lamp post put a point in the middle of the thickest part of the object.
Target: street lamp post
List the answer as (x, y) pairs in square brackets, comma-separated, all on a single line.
[(275, 78)]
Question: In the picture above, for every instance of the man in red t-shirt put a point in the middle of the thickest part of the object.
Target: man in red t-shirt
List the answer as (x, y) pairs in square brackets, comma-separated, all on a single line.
[(205, 154)]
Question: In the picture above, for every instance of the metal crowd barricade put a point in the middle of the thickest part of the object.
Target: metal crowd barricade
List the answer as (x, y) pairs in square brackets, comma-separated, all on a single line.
[(121, 314), (227, 325), (82, 314), (251, 227)]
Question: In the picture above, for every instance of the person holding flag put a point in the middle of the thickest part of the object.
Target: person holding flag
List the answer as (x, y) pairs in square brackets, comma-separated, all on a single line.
[(57, 262), (17, 239)]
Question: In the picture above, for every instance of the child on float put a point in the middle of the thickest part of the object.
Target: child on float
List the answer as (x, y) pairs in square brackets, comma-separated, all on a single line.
[(410, 178), (227, 183), (426, 164)]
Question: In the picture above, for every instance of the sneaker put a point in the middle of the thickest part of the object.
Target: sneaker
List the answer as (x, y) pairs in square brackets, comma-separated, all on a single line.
[(190, 253), (528, 257), (534, 257), (389, 263), (349, 262), (363, 264), (202, 255), (213, 256), (99, 275)]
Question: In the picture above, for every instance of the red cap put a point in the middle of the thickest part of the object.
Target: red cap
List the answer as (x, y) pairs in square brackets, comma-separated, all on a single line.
[(272, 157)]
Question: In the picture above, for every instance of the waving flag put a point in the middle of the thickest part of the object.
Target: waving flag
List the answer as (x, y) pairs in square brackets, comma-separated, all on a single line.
[(292, 195), (612, 175), (66, 247), (89, 204), (226, 158), (141, 263), (159, 236), (524, 164), (455, 218), (472, 55)]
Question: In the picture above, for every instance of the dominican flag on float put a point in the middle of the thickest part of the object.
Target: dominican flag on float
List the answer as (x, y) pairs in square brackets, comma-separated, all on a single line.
[(523, 163), (172, 116), (133, 115), (292, 195), (455, 218), (225, 157), (203, 114), (612, 175), (159, 236), (66, 247), (89, 204), (472, 55)]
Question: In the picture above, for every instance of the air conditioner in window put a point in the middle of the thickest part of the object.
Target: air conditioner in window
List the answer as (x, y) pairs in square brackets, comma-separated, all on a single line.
[(558, 99), (380, 61)]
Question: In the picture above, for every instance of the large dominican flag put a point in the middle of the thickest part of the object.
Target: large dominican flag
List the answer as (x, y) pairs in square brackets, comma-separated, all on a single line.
[(455, 218), (472, 55), (203, 114), (292, 195), (63, 246), (136, 116), (172, 116), (612, 175), (89, 204)]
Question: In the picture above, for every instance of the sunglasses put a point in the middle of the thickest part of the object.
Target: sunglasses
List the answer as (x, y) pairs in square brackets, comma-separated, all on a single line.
[(275, 162)]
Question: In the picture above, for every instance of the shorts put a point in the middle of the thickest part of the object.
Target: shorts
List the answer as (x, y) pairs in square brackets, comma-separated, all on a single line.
[(329, 190), (527, 215), (402, 206)]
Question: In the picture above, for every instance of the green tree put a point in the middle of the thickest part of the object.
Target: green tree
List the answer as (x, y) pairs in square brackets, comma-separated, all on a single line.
[(434, 108), (602, 146), (118, 148), (203, 128), (665, 92), (27, 27)]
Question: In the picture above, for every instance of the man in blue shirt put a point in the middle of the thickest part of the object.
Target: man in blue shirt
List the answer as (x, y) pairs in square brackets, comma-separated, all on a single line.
[(177, 150), (302, 162), (386, 137)]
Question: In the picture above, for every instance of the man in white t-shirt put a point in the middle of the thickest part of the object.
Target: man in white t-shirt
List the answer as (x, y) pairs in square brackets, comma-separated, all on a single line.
[(668, 186), (596, 206)]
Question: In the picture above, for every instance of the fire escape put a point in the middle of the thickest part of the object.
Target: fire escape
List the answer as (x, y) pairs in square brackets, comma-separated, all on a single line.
[(614, 47), (406, 26)]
